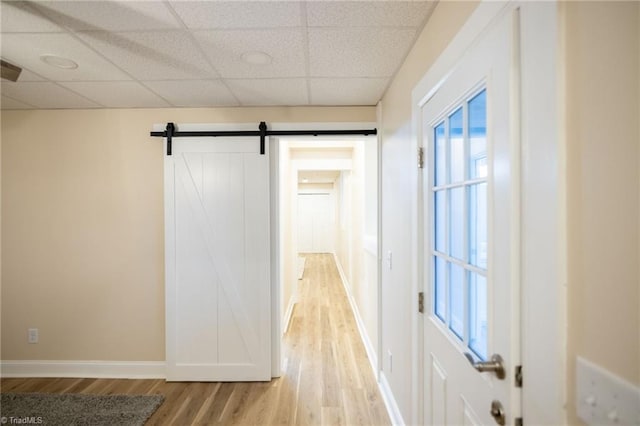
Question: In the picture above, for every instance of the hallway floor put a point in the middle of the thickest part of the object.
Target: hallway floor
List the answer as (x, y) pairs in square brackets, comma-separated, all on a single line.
[(327, 378)]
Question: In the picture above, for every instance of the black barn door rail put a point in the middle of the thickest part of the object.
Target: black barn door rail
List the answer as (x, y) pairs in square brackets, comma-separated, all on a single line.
[(262, 132)]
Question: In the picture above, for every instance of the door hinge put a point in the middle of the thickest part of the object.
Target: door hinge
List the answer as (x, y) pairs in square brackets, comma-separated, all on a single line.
[(420, 158), (421, 302), (518, 376), (518, 421)]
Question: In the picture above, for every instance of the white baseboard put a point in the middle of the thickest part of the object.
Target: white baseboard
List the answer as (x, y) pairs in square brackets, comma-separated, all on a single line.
[(288, 315), (383, 384), (364, 336), (85, 369), (390, 401)]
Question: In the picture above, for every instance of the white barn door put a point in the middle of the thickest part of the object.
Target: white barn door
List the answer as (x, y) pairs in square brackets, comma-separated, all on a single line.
[(217, 253)]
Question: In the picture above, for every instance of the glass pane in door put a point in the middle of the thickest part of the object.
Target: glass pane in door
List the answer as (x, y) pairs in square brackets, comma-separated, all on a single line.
[(440, 212), (440, 163), (440, 278), (457, 300), (478, 314), (456, 136), (478, 136), (456, 223), (478, 225)]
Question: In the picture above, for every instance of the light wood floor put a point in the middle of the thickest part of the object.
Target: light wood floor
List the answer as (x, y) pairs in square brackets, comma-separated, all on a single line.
[(327, 377)]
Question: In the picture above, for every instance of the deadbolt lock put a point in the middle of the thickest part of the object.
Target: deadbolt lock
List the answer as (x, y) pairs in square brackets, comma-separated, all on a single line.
[(497, 412)]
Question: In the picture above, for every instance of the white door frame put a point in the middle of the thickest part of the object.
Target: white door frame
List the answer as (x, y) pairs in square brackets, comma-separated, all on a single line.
[(543, 190), (274, 152), (276, 274)]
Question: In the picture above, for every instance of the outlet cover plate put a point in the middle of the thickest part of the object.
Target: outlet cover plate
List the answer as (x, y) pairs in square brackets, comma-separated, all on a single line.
[(33, 335), (605, 399)]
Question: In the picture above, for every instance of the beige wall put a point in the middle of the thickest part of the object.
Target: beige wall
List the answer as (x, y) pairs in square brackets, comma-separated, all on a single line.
[(603, 112), (82, 227), (397, 160)]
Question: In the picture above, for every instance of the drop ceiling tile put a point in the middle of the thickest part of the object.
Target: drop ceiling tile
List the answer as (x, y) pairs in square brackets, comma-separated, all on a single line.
[(357, 52), (284, 45), (367, 13), (110, 15), (45, 95), (8, 103), (25, 49), (194, 93), (117, 94), (347, 91), (262, 92), (27, 75), (154, 55), (238, 14), (20, 17)]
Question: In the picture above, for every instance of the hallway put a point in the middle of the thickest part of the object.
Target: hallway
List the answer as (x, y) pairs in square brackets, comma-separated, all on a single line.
[(326, 379), (325, 356)]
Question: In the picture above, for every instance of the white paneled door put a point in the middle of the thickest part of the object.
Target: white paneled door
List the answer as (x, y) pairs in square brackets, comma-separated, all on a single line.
[(316, 222), (217, 260), (471, 247)]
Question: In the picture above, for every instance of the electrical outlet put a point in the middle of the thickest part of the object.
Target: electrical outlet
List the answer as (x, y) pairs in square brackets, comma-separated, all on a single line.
[(33, 335), (390, 362), (605, 399)]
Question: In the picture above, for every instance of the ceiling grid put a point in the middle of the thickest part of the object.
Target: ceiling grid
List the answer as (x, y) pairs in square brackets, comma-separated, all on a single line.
[(154, 54)]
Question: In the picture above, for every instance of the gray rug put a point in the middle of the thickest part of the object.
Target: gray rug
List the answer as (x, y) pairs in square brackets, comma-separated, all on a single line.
[(76, 409)]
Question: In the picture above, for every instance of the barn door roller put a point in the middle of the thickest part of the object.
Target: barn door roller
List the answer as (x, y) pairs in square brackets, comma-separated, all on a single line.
[(170, 132)]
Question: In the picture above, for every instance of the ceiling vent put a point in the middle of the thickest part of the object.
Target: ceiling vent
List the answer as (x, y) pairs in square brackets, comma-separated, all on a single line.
[(9, 71)]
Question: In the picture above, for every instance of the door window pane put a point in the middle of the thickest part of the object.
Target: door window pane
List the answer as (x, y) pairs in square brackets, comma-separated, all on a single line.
[(460, 222), (440, 279), (440, 145), (456, 135), (457, 299), (456, 223), (478, 225), (478, 136), (440, 211), (478, 314)]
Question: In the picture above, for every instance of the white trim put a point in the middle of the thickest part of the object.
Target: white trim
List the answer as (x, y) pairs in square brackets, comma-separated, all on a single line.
[(370, 245), (274, 219), (544, 310), (323, 125), (84, 369), (486, 11), (383, 385), (364, 336), (322, 164), (379, 241), (289, 314), (389, 401)]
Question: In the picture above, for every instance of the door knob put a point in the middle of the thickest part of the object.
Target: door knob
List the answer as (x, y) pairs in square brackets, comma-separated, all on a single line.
[(494, 365), (497, 412)]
